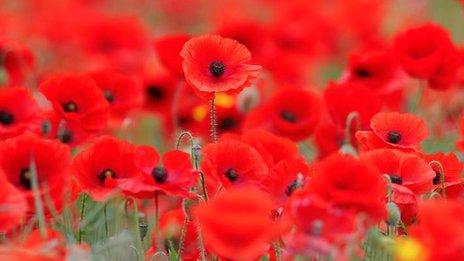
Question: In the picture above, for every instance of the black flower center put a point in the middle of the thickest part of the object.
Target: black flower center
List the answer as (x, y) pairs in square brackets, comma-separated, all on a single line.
[(25, 178), (231, 174), (160, 174), (396, 179), (394, 137), (155, 92), (6, 118), (217, 68), (109, 96), (70, 107), (290, 188), (65, 136), (437, 179), (288, 116), (227, 123), (362, 73), (106, 173)]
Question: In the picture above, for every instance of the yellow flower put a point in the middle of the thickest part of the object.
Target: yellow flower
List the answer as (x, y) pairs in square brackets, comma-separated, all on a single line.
[(409, 249)]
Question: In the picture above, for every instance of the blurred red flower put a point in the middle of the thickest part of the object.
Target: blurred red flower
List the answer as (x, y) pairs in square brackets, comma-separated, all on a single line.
[(237, 225), (168, 49), (19, 112), (51, 160), (440, 229), (290, 112), (233, 163), (13, 205), (215, 64), (426, 52), (78, 99), (122, 92)]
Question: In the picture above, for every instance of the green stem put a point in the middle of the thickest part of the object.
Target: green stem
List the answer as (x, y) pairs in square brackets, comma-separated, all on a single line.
[(183, 234), (39, 210), (212, 122), (105, 210), (81, 218), (157, 232), (138, 239)]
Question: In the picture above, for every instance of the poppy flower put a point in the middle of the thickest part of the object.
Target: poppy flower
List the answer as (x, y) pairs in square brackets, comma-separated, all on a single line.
[(19, 112), (168, 49), (394, 130), (405, 169), (159, 90), (290, 112), (98, 167), (328, 137), (272, 148), (77, 99), (342, 99), (376, 68), (440, 229), (215, 64), (17, 61), (426, 52), (237, 225), (317, 218), (285, 177), (350, 184), (452, 168), (13, 205), (51, 160), (122, 92), (233, 163), (175, 176), (70, 133)]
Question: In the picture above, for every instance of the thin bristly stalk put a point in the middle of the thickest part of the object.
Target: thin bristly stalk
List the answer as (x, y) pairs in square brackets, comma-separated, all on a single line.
[(201, 245), (105, 210), (82, 216), (212, 121), (182, 136), (183, 234), (353, 116), (138, 239), (37, 199), (276, 246)]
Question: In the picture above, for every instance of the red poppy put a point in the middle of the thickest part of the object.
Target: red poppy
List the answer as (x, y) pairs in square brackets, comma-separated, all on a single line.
[(290, 112), (285, 177), (19, 112), (51, 160), (168, 49), (440, 229), (98, 167), (77, 99), (328, 137), (233, 163), (174, 177), (122, 92), (237, 224), (159, 90), (350, 184), (426, 52), (451, 166), (215, 64), (272, 148), (13, 205), (344, 98), (319, 221), (405, 169), (17, 61), (394, 130), (66, 132), (376, 68)]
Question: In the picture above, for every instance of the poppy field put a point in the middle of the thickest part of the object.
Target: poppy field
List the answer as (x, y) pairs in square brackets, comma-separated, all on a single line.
[(240, 130)]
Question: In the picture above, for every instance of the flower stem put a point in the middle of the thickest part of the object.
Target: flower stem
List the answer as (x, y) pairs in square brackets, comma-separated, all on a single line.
[(105, 210), (157, 232), (37, 199), (213, 118), (81, 218)]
